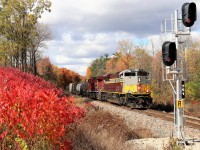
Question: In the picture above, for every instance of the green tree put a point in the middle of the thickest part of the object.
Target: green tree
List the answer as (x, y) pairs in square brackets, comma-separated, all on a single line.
[(98, 66), (18, 20), (192, 87)]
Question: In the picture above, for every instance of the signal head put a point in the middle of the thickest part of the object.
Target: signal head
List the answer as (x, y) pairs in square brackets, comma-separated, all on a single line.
[(169, 53), (189, 14)]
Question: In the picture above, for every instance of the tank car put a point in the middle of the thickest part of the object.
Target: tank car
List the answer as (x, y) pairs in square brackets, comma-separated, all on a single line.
[(81, 88), (72, 88)]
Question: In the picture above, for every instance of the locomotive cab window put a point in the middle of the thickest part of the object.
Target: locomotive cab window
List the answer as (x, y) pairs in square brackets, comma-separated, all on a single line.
[(142, 73), (121, 76), (128, 74)]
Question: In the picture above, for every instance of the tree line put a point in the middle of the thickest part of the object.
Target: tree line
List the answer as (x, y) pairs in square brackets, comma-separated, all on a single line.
[(62, 77), (130, 55)]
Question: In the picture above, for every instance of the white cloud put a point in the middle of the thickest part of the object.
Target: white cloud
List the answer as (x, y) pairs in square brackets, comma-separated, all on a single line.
[(81, 69)]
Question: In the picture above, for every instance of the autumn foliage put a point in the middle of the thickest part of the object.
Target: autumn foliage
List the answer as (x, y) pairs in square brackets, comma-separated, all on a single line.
[(32, 108), (62, 77)]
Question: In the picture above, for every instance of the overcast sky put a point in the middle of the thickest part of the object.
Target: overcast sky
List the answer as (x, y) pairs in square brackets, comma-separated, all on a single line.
[(84, 30)]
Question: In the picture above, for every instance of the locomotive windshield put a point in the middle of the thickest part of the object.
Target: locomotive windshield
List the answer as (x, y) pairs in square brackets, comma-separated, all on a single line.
[(130, 74), (143, 73)]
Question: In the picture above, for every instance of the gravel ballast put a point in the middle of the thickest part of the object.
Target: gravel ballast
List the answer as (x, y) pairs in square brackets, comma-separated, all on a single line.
[(160, 128)]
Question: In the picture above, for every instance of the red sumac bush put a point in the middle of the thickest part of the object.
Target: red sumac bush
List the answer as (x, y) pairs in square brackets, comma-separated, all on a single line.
[(31, 107)]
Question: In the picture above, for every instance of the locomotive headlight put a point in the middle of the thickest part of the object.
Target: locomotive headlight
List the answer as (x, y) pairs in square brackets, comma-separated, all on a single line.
[(146, 89)]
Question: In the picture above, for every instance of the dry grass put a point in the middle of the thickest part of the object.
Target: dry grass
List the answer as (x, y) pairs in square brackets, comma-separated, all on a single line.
[(100, 130), (192, 107)]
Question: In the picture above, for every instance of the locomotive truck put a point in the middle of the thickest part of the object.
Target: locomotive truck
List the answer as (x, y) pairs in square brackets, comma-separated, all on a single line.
[(130, 87)]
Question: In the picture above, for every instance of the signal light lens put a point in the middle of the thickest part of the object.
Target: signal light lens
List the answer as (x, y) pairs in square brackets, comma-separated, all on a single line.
[(169, 59), (188, 21)]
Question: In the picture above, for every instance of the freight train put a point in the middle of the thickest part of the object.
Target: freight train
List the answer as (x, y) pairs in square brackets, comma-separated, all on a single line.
[(130, 87)]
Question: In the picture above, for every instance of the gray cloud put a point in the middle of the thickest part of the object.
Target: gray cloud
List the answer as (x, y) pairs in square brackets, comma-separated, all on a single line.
[(87, 29), (139, 17)]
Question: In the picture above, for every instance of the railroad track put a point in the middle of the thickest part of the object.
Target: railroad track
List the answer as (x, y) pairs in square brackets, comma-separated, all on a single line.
[(190, 121)]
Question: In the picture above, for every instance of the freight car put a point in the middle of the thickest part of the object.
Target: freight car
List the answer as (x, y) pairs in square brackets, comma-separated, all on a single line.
[(79, 89), (130, 87)]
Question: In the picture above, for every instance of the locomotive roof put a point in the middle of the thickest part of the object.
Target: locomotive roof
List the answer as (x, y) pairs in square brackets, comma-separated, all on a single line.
[(131, 70), (115, 75)]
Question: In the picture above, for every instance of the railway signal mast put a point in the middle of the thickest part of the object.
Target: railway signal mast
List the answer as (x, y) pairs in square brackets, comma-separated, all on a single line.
[(172, 61)]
